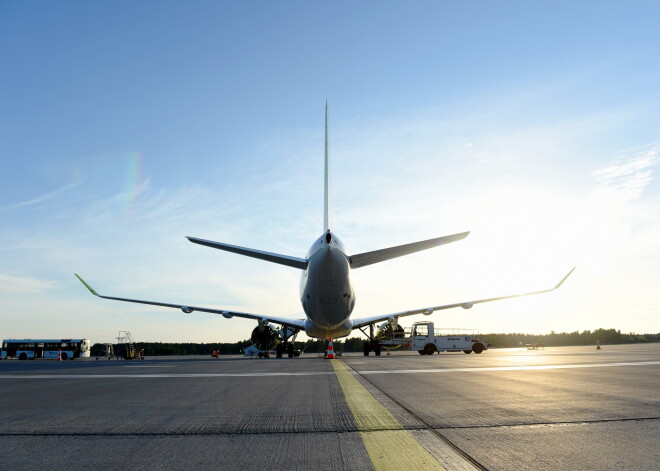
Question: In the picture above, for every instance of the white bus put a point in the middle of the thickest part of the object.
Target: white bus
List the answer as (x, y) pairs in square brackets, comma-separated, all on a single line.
[(67, 349)]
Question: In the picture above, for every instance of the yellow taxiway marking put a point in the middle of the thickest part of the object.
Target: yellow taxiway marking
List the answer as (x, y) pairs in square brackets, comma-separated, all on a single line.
[(389, 445)]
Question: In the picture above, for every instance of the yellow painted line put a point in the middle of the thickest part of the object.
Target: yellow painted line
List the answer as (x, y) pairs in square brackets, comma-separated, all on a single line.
[(389, 445)]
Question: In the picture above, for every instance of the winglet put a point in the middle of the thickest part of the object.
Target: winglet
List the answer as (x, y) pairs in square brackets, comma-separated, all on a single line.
[(91, 290), (564, 278)]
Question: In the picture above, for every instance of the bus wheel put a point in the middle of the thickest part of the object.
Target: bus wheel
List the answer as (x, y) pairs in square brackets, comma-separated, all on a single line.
[(64, 356), (22, 356), (467, 351)]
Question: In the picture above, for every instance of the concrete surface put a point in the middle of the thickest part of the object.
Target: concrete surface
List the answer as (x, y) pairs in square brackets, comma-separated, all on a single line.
[(558, 408)]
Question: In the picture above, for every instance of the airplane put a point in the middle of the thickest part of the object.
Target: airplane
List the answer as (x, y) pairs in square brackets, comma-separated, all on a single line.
[(326, 293)]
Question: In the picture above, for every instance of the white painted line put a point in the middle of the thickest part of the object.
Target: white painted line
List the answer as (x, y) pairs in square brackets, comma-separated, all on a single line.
[(510, 368), (324, 373), (149, 366)]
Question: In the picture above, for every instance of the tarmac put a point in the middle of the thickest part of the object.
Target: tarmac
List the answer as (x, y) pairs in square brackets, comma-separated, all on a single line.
[(559, 408)]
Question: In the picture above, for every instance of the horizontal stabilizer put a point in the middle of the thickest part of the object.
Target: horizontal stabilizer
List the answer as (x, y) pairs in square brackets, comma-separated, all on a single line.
[(369, 258), (294, 262)]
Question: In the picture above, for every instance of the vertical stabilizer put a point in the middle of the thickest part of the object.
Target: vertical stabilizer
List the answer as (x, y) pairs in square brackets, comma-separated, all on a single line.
[(326, 199)]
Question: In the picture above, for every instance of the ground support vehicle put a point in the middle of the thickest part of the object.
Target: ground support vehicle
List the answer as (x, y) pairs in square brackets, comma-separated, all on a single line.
[(63, 349), (426, 339)]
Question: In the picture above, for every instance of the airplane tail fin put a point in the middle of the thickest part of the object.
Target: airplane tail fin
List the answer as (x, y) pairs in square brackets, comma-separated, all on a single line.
[(326, 198)]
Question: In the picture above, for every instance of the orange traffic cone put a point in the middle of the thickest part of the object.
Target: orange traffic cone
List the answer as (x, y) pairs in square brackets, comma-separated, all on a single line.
[(59, 355), (388, 352), (331, 350), (597, 345)]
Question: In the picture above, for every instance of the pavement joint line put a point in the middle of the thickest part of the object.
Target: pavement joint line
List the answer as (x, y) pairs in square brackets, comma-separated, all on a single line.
[(393, 449), (315, 373), (549, 424), (305, 432), (192, 434)]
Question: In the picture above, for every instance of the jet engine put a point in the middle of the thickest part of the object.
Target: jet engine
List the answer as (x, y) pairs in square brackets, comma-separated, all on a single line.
[(264, 337), (387, 332)]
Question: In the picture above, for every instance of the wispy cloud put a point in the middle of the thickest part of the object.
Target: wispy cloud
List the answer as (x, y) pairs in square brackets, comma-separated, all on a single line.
[(45, 197), (16, 284), (627, 178)]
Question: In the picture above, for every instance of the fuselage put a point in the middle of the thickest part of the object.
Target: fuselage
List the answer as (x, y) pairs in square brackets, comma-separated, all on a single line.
[(326, 292)]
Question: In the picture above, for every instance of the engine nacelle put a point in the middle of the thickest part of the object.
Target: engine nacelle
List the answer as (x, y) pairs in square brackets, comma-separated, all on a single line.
[(264, 337), (467, 305), (388, 331), (187, 309)]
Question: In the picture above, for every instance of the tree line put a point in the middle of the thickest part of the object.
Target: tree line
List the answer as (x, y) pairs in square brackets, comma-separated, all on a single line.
[(586, 337), (354, 344)]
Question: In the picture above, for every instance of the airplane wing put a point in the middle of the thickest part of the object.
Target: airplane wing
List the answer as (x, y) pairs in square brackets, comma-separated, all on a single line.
[(294, 262), (294, 323), (369, 258), (357, 323)]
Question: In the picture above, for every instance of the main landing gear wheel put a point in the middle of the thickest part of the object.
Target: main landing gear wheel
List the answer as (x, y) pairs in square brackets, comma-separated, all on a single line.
[(366, 348), (279, 350), (369, 346)]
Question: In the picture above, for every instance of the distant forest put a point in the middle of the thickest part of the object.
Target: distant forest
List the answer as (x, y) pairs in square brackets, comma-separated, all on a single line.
[(354, 344)]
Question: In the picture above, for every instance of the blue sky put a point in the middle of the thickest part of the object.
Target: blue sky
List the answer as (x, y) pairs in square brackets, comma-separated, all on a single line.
[(126, 126)]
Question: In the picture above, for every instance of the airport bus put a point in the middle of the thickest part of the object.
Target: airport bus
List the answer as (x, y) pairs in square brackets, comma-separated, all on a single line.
[(66, 349)]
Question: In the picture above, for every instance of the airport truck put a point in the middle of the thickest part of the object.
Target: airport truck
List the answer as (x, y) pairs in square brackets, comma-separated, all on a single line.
[(426, 339)]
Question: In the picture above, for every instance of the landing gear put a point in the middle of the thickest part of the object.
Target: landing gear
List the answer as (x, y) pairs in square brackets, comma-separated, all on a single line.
[(288, 336), (371, 345)]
